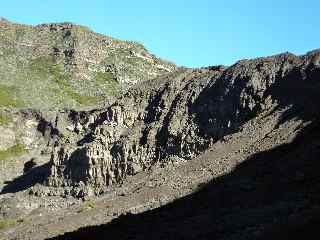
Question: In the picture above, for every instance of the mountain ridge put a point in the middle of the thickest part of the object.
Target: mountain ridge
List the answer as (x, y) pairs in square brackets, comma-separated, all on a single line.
[(77, 65)]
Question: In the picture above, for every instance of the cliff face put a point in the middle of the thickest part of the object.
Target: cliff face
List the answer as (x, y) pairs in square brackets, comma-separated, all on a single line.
[(174, 118), (66, 65)]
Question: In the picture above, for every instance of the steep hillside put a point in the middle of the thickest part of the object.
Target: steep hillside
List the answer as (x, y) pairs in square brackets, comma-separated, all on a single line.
[(267, 191), (65, 65), (231, 153), (176, 117), (210, 153)]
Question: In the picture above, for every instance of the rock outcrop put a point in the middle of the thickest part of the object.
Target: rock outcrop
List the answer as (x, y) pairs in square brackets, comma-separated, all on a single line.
[(178, 116)]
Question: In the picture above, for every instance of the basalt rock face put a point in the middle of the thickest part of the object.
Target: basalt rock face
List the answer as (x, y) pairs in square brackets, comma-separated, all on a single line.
[(128, 136), (49, 69), (177, 116)]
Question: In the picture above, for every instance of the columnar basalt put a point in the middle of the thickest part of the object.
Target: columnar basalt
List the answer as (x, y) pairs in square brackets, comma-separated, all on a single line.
[(177, 116)]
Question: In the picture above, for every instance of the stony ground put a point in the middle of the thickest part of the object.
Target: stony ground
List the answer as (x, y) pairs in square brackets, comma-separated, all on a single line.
[(142, 192), (176, 182)]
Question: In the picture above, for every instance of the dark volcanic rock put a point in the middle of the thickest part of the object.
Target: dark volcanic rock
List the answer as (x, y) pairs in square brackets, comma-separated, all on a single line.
[(181, 115)]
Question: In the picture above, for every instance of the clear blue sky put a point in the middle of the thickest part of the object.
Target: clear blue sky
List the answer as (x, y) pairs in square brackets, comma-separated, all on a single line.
[(191, 32)]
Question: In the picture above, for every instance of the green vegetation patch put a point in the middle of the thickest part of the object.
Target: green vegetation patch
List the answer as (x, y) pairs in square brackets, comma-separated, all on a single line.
[(7, 98), (109, 81), (5, 223), (47, 68), (5, 118), (14, 151), (88, 205), (44, 66), (66, 88)]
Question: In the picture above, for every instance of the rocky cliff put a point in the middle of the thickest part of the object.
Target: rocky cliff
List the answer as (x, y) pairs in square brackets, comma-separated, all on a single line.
[(178, 116)]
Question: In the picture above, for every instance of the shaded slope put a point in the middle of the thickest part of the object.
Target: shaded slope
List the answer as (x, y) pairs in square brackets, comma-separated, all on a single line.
[(180, 115), (272, 195)]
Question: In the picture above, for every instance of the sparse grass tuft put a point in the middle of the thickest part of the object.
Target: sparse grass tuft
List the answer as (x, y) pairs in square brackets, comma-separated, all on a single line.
[(67, 89), (5, 223), (5, 118), (15, 150), (7, 99), (83, 99), (109, 81), (88, 205), (46, 67)]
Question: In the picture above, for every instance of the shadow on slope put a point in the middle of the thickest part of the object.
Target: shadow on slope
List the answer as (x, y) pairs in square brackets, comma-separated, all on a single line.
[(247, 88), (272, 195), (30, 178)]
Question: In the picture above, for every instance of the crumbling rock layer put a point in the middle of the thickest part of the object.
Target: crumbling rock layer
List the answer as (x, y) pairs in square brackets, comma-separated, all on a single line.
[(178, 116)]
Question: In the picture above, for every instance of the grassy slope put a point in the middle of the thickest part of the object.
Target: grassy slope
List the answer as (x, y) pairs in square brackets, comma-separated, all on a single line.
[(41, 68), (14, 151), (39, 81)]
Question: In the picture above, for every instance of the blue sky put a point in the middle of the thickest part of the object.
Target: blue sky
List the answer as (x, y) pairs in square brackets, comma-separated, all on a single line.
[(190, 33)]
